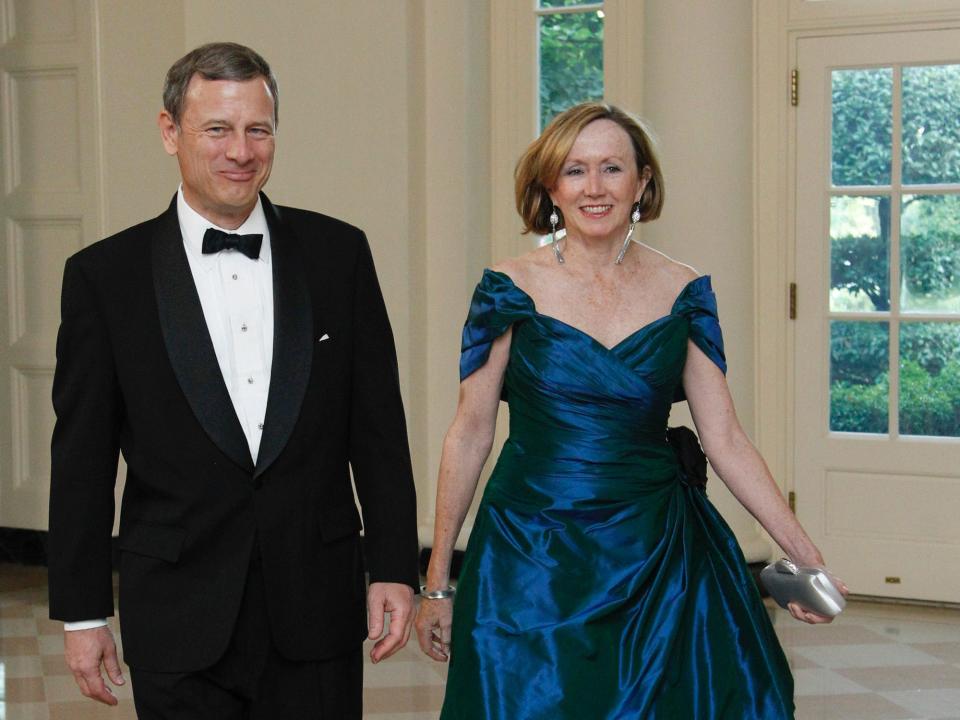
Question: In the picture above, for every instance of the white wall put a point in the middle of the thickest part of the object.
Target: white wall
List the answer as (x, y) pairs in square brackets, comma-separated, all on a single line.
[(698, 97), (342, 147), (137, 41), (454, 216)]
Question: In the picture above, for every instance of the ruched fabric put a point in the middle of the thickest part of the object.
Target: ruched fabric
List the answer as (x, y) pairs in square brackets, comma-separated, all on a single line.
[(597, 585)]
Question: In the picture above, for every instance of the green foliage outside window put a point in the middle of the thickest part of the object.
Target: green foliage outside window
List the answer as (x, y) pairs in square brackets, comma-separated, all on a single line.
[(929, 378), (859, 264), (929, 252), (571, 61)]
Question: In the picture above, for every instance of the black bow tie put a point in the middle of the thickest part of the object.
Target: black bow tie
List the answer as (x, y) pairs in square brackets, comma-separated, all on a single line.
[(216, 240)]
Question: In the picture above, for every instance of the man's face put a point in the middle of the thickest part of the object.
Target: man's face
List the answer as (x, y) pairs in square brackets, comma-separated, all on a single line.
[(224, 145)]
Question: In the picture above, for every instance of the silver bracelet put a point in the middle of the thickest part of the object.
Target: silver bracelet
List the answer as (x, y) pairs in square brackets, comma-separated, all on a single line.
[(448, 592)]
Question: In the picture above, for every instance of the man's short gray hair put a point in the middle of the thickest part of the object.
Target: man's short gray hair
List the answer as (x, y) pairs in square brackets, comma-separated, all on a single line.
[(216, 61)]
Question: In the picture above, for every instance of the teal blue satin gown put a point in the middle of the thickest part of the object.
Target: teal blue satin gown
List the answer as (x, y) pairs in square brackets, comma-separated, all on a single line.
[(597, 582)]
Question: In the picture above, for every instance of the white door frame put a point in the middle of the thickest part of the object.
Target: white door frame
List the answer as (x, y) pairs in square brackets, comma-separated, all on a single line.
[(778, 25), (50, 207)]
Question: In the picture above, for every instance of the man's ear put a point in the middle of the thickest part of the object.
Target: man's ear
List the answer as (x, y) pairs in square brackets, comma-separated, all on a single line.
[(169, 132)]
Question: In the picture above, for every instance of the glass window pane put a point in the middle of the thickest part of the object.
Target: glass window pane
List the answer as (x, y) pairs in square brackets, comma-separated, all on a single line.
[(859, 253), (931, 134), (862, 129), (930, 379), (930, 253), (571, 61), (859, 376)]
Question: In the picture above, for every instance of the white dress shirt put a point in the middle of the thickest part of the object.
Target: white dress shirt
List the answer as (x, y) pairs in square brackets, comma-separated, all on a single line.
[(236, 294)]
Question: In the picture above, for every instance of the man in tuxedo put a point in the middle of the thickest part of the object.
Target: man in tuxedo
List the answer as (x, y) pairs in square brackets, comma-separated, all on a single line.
[(238, 353)]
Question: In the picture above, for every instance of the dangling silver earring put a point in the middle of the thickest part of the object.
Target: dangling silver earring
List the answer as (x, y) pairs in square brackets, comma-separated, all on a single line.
[(634, 219), (554, 219)]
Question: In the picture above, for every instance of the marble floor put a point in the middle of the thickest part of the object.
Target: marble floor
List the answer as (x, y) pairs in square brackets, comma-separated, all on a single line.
[(875, 662)]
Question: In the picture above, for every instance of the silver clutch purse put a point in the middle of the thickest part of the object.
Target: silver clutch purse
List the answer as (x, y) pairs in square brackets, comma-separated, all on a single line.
[(811, 588)]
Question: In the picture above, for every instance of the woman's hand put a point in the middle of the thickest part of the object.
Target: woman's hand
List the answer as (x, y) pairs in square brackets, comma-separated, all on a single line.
[(811, 617), (433, 622)]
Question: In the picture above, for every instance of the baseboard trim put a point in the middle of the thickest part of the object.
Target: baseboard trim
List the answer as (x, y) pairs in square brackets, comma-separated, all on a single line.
[(23, 547), (456, 562)]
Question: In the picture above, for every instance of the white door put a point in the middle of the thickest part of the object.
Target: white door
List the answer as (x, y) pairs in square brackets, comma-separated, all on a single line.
[(877, 462), (49, 209)]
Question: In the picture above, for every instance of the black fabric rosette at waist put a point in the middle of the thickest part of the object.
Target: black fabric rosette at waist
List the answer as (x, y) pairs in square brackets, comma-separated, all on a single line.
[(690, 456)]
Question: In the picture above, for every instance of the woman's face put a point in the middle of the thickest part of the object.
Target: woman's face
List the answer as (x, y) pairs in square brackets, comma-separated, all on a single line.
[(598, 183)]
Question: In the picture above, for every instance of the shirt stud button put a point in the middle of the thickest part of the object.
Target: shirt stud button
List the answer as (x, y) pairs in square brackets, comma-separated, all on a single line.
[(249, 381), (259, 426), (243, 328), (234, 276)]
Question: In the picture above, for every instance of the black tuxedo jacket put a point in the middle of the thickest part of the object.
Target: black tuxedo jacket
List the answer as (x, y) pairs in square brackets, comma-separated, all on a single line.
[(137, 373)]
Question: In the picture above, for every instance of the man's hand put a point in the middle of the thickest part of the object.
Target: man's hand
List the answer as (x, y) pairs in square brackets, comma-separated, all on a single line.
[(396, 599), (85, 650)]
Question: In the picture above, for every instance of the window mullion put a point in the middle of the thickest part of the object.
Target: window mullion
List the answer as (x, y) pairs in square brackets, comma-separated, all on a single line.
[(896, 203), (569, 9)]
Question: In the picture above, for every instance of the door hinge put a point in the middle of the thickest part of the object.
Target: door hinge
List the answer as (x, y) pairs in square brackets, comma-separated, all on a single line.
[(792, 501), (792, 312), (794, 87)]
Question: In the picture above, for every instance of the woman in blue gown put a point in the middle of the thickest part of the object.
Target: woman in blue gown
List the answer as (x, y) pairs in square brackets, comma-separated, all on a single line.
[(599, 582)]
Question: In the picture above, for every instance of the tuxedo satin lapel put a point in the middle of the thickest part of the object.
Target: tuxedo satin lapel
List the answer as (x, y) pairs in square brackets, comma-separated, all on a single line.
[(292, 339), (188, 342)]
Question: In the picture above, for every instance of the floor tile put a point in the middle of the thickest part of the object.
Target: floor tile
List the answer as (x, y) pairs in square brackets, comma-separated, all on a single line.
[(18, 627), (845, 656), (50, 644), (801, 634), (927, 703), (86, 709), (850, 707), (23, 690), (46, 626), (395, 673), (947, 651), (911, 631), (25, 711), (63, 688), (821, 681), (910, 677), (14, 646), (15, 610), (425, 698), (54, 665), (797, 661), (21, 666)]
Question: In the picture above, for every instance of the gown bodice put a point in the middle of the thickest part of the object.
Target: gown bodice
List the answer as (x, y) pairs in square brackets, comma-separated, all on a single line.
[(573, 399)]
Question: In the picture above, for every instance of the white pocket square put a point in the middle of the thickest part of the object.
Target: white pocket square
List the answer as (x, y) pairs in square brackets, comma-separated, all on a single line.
[(325, 337)]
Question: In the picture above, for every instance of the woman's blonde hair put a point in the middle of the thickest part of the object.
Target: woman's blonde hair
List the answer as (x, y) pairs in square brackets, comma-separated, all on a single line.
[(539, 167)]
